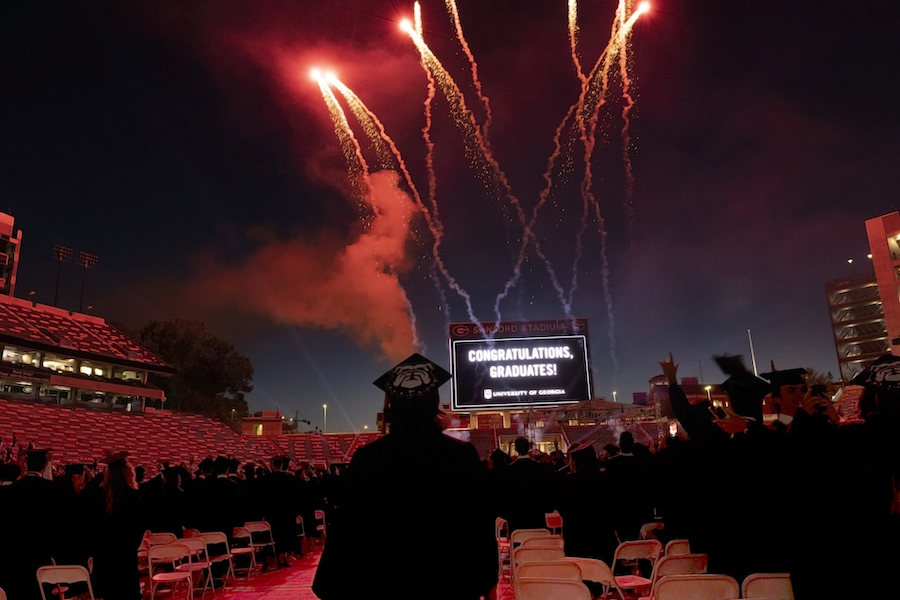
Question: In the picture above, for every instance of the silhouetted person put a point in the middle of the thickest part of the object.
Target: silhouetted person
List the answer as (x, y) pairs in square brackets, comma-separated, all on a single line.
[(413, 519), (529, 490)]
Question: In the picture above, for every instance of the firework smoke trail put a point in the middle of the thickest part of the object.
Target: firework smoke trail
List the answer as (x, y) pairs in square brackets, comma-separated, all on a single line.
[(480, 154), (626, 128), (429, 163), (434, 225), (573, 41), (485, 101), (356, 164), (591, 104)]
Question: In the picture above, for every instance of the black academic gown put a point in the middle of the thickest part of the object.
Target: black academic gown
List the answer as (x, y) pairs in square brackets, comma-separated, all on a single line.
[(414, 520)]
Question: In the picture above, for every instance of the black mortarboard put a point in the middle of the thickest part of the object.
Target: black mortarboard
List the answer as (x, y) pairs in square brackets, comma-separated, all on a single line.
[(745, 390), (205, 465), (74, 469), (786, 377), (115, 460), (36, 458), (731, 365), (415, 377), (883, 374)]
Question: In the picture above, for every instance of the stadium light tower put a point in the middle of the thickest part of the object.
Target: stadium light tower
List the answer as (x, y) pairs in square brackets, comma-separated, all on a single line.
[(87, 260), (324, 418), (62, 253)]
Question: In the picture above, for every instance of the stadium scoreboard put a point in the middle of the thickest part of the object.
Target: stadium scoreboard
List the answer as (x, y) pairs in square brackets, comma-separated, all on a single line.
[(509, 364)]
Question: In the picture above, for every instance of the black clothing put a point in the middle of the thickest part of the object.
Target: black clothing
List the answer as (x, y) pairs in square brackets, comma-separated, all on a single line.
[(413, 517)]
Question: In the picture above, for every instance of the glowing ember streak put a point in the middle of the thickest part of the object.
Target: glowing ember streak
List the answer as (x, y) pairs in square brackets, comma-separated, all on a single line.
[(573, 40), (356, 164), (485, 101), (417, 18)]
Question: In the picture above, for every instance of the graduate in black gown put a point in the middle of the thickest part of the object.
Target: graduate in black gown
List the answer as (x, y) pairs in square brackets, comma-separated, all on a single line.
[(119, 522), (414, 520)]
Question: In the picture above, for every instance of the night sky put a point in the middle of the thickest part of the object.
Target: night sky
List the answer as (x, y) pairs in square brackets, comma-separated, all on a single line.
[(185, 145)]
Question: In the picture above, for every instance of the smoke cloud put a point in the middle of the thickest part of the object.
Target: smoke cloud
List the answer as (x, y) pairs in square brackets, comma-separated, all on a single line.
[(352, 289)]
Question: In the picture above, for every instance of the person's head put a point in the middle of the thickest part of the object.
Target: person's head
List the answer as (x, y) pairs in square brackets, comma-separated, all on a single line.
[(9, 472), (499, 459), (585, 459), (522, 446), (626, 442), (36, 460), (412, 401), (788, 389)]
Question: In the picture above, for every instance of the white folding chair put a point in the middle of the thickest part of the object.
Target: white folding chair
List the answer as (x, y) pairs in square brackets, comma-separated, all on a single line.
[(630, 553), (768, 585), (320, 524), (2, 594), (216, 540), (199, 564), (163, 562), (550, 589), (595, 571), (261, 538), (697, 587), (501, 535), (59, 576), (242, 547)]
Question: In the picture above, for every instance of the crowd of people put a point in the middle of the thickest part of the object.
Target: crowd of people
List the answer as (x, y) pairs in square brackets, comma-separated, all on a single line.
[(415, 510), (96, 514)]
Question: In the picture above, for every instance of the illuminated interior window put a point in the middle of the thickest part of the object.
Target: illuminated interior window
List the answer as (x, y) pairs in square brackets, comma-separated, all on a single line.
[(258, 429), (85, 370), (893, 244)]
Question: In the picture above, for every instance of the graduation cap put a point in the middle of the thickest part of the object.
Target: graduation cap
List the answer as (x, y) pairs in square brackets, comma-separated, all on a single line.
[(9, 471), (74, 469), (415, 377), (36, 458), (883, 374), (115, 460), (786, 377), (745, 390)]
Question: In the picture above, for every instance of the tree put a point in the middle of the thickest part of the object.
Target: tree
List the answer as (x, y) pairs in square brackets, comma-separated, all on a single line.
[(814, 377), (212, 377)]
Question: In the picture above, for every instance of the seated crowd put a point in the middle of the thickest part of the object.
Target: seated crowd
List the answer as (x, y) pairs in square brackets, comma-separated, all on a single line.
[(96, 515)]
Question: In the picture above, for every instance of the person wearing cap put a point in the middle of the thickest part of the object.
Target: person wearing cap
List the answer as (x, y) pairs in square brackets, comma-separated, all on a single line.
[(788, 392), (35, 526), (413, 520), (119, 522), (529, 491)]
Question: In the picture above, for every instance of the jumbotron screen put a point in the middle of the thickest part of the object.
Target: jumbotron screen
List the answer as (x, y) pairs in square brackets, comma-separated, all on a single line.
[(519, 363)]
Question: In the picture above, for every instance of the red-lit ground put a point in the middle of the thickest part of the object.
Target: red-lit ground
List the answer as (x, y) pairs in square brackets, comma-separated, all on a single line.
[(294, 583)]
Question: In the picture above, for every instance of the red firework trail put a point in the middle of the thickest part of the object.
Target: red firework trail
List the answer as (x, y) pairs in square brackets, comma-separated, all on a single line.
[(356, 163), (485, 101), (434, 225)]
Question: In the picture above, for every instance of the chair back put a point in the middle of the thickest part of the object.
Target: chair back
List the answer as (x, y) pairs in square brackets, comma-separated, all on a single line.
[(2, 595), (768, 585), (697, 587), (260, 531), (651, 530), (198, 548), (637, 549), (523, 555), (594, 570), (678, 547), (214, 539), (549, 541), (679, 564), (62, 574), (301, 531), (557, 589), (554, 521), (520, 535), (159, 539), (501, 529), (551, 569), (171, 554), (240, 536), (190, 533)]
